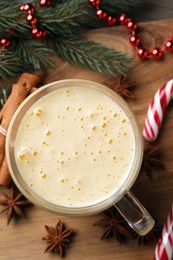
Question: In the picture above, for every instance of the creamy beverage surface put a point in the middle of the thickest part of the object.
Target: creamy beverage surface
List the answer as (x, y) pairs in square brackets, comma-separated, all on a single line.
[(75, 147)]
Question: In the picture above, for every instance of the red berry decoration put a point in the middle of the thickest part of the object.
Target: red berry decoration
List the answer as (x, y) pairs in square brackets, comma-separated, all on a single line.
[(169, 45), (94, 3), (101, 14), (123, 19), (131, 26), (4, 42), (142, 53), (34, 21), (34, 31), (30, 18), (45, 3), (28, 7), (38, 33), (156, 53), (21, 8), (111, 20), (134, 40)]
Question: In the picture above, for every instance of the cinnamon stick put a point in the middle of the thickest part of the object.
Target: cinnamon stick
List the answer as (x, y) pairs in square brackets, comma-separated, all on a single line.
[(24, 86)]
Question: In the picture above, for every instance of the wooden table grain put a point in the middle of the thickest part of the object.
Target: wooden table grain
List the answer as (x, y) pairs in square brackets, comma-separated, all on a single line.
[(22, 239)]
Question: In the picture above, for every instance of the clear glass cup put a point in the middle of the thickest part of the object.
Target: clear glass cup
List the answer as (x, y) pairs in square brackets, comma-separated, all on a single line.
[(123, 199)]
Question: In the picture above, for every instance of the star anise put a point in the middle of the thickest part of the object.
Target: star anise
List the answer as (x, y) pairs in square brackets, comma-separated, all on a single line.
[(114, 225), (57, 238), (152, 159), (13, 203), (151, 237), (122, 86)]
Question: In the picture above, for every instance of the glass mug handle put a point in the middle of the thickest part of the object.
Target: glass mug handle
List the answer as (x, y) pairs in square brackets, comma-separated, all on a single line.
[(135, 214)]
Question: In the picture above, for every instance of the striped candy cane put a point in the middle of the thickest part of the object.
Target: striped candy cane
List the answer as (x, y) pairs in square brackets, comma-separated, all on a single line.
[(164, 247), (156, 110)]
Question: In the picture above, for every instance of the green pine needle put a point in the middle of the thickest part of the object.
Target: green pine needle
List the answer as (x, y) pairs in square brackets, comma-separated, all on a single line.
[(62, 19), (12, 18), (35, 54), (93, 56), (10, 65)]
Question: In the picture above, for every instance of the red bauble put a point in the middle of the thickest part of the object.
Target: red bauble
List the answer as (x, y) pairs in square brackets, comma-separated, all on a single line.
[(38, 33), (101, 14), (131, 26), (34, 21), (4, 42), (142, 53), (21, 8), (31, 19), (134, 40), (123, 19), (94, 2), (169, 45), (45, 3), (156, 53), (28, 7), (111, 20), (34, 31)]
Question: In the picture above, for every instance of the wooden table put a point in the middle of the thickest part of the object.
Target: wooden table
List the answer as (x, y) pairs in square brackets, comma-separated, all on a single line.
[(22, 239)]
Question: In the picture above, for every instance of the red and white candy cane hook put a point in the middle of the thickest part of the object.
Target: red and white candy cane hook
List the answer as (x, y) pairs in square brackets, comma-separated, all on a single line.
[(164, 247), (156, 110)]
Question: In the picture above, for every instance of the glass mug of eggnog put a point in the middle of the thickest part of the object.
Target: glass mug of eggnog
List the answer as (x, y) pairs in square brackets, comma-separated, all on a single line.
[(74, 148)]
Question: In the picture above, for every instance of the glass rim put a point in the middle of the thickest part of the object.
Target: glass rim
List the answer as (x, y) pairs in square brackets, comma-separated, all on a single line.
[(62, 210)]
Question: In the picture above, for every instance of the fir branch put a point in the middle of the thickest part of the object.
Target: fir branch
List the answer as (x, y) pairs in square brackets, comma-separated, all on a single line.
[(12, 18), (61, 18), (62, 22), (72, 15), (90, 55), (33, 53), (10, 65), (66, 12)]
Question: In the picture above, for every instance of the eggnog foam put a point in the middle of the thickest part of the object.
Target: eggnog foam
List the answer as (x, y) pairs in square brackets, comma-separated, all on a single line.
[(75, 147)]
